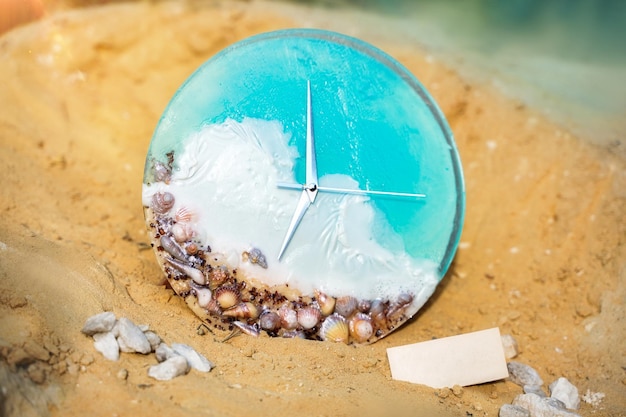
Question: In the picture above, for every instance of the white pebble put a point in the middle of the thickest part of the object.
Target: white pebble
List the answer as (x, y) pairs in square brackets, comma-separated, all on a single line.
[(593, 398), (509, 344), (195, 360), (153, 339), (523, 374), (566, 392), (131, 338), (163, 352), (510, 410), (534, 389), (171, 368), (106, 344), (541, 407), (100, 323)]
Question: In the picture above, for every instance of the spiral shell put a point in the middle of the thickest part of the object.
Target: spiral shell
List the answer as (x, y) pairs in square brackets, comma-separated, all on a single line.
[(204, 296), (335, 329), (183, 215), (245, 310), (326, 303), (161, 172), (249, 329), (162, 202), (288, 318), (346, 306), (308, 317), (195, 274), (227, 296), (269, 321), (172, 248), (361, 328)]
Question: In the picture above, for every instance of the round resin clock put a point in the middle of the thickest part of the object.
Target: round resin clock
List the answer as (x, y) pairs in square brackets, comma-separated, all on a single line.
[(305, 184)]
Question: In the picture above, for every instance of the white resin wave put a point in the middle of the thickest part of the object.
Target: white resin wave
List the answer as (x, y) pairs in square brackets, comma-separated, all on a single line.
[(227, 175)]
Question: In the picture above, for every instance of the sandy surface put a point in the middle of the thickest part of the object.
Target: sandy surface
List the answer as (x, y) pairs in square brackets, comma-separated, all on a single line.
[(542, 253)]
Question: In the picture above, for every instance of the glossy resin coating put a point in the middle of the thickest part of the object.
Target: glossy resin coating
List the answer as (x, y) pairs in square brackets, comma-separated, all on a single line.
[(359, 264)]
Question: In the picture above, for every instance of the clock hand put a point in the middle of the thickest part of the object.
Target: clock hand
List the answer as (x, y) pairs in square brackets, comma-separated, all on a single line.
[(292, 186), (303, 204), (311, 159), (310, 189)]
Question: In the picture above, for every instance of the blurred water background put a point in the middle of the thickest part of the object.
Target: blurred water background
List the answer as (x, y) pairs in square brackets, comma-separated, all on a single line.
[(565, 58)]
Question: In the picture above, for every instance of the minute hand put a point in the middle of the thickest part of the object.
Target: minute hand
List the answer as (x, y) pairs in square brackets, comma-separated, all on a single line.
[(294, 186)]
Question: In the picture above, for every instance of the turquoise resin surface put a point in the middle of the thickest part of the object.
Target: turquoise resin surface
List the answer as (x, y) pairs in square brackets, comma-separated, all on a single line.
[(373, 122)]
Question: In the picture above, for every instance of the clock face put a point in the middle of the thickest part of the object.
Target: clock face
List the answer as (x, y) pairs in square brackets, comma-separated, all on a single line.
[(303, 183)]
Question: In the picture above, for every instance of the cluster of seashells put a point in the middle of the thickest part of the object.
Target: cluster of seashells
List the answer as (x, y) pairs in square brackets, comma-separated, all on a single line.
[(225, 299)]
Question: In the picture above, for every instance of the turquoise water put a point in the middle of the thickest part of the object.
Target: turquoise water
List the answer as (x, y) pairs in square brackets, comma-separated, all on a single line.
[(373, 123)]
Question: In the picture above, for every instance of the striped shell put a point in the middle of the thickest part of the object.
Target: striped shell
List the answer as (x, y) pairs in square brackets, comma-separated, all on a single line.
[(335, 329), (162, 202)]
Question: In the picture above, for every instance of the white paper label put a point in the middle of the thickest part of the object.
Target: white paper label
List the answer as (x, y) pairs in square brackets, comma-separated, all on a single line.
[(467, 359)]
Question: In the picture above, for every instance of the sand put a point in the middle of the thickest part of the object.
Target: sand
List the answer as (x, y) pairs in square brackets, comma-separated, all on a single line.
[(542, 254)]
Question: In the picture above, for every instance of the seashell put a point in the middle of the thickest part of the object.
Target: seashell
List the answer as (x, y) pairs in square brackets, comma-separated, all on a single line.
[(172, 248), (255, 256), (404, 298), (377, 307), (326, 303), (335, 329), (242, 311), (204, 296), (195, 274), (269, 321), (364, 306), (181, 232), (192, 248), (288, 317), (183, 215), (227, 296), (249, 329), (346, 306), (361, 328), (162, 202), (308, 317), (218, 275), (161, 172)]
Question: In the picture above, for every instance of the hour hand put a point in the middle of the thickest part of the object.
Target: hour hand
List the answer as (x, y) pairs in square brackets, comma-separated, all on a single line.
[(303, 204)]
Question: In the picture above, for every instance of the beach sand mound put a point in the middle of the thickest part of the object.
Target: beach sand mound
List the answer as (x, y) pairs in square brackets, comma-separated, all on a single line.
[(542, 252)]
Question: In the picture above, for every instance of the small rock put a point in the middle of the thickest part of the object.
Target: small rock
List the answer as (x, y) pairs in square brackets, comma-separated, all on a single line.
[(171, 368), (36, 351), (153, 339), (130, 337), (37, 372), (593, 398), (523, 374), (122, 374), (195, 360), (534, 389), (566, 392), (510, 410), (541, 407), (163, 352), (100, 323), (510, 346), (457, 390), (19, 357), (106, 344)]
